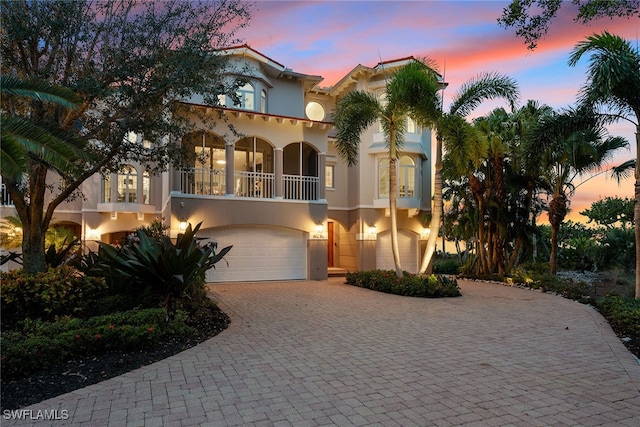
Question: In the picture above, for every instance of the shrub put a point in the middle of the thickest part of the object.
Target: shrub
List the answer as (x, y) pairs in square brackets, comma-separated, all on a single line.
[(59, 291), (623, 314), (535, 277), (156, 265), (37, 344), (433, 286), (450, 266)]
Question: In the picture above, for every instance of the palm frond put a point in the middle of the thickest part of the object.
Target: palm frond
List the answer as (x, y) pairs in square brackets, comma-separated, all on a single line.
[(354, 113), (40, 90), (481, 88)]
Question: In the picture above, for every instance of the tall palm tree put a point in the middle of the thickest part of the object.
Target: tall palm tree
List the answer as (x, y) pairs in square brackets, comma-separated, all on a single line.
[(569, 144), (412, 91), (483, 87), (613, 80)]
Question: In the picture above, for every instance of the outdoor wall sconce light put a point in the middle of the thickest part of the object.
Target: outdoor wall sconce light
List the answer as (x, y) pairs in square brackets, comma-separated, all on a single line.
[(183, 225), (319, 232), (373, 230), (425, 233), (93, 234)]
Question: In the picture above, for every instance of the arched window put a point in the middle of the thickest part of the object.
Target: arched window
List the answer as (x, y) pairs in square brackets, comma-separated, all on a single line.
[(128, 185), (407, 177), (383, 178), (246, 94), (263, 101)]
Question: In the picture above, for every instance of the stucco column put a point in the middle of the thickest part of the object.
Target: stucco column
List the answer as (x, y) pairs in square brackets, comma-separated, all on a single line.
[(278, 167), (322, 164), (229, 169)]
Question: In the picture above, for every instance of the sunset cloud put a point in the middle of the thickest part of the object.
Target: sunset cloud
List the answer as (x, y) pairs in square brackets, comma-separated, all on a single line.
[(330, 38)]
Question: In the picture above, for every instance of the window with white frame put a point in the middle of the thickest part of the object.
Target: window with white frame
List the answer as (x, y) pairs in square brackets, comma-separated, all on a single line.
[(246, 94), (328, 176), (146, 188), (407, 177), (383, 178), (128, 185), (106, 189), (263, 101)]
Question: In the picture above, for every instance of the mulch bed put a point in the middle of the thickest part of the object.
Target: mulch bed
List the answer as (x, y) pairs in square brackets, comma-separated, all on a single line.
[(75, 374)]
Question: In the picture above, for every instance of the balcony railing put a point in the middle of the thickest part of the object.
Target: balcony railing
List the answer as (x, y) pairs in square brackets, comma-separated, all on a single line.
[(208, 182), (5, 198), (298, 187), (211, 182)]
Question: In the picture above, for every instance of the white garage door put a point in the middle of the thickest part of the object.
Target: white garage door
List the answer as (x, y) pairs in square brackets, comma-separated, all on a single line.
[(408, 245), (259, 253)]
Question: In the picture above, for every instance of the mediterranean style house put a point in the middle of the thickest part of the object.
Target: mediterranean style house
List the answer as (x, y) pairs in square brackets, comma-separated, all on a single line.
[(276, 188)]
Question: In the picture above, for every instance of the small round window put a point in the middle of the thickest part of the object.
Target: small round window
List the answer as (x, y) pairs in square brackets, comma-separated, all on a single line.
[(315, 111)]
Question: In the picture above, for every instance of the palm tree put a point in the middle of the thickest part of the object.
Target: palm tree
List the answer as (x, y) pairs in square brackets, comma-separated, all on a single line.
[(35, 148), (21, 138), (477, 90), (569, 144), (613, 80), (410, 92)]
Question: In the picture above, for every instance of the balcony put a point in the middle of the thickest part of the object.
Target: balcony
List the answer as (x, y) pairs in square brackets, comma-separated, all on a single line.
[(261, 185), (5, 198)]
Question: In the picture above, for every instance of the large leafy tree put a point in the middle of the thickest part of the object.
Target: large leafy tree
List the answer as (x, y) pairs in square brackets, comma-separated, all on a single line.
[(569, 144), (131, 63), (412, 91), (452, 127), (613, 81), (531, 18)]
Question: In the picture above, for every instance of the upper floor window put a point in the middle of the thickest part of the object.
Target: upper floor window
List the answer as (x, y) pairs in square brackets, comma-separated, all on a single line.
[(246, 94), (128, 185), (146, 187), (383, 178), (263, 101), (407, 177), (411, 125), (106, 189), (328, 176)]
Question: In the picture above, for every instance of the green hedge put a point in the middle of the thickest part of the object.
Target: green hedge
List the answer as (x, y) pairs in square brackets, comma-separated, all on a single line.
[(622, 313), (36, 344), (433, 286), (59, 291)]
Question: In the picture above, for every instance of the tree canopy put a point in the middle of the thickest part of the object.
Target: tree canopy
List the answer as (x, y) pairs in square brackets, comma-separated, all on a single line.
[(131, 63), (531, 18)]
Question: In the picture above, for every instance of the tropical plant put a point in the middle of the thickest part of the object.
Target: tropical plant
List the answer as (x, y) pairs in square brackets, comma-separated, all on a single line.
[(22, 139), (569, 144), (165, 53), (613, 81), (453, 131), (412, 91), (168, 269)]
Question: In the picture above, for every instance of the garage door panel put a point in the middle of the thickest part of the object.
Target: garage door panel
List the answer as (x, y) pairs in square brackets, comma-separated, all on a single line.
[(259, 253), (408, 245)]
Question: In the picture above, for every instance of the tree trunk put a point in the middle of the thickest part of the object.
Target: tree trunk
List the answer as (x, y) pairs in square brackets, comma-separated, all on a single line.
[(636, 211), (393, 202), (557, 213), (436, 212), (34, 221)]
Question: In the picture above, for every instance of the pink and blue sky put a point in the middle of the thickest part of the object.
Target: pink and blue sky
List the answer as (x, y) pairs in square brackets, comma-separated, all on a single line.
[(329, 38)]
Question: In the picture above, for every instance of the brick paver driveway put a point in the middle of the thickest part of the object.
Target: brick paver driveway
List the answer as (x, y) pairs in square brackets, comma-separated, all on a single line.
[(324, 353)]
